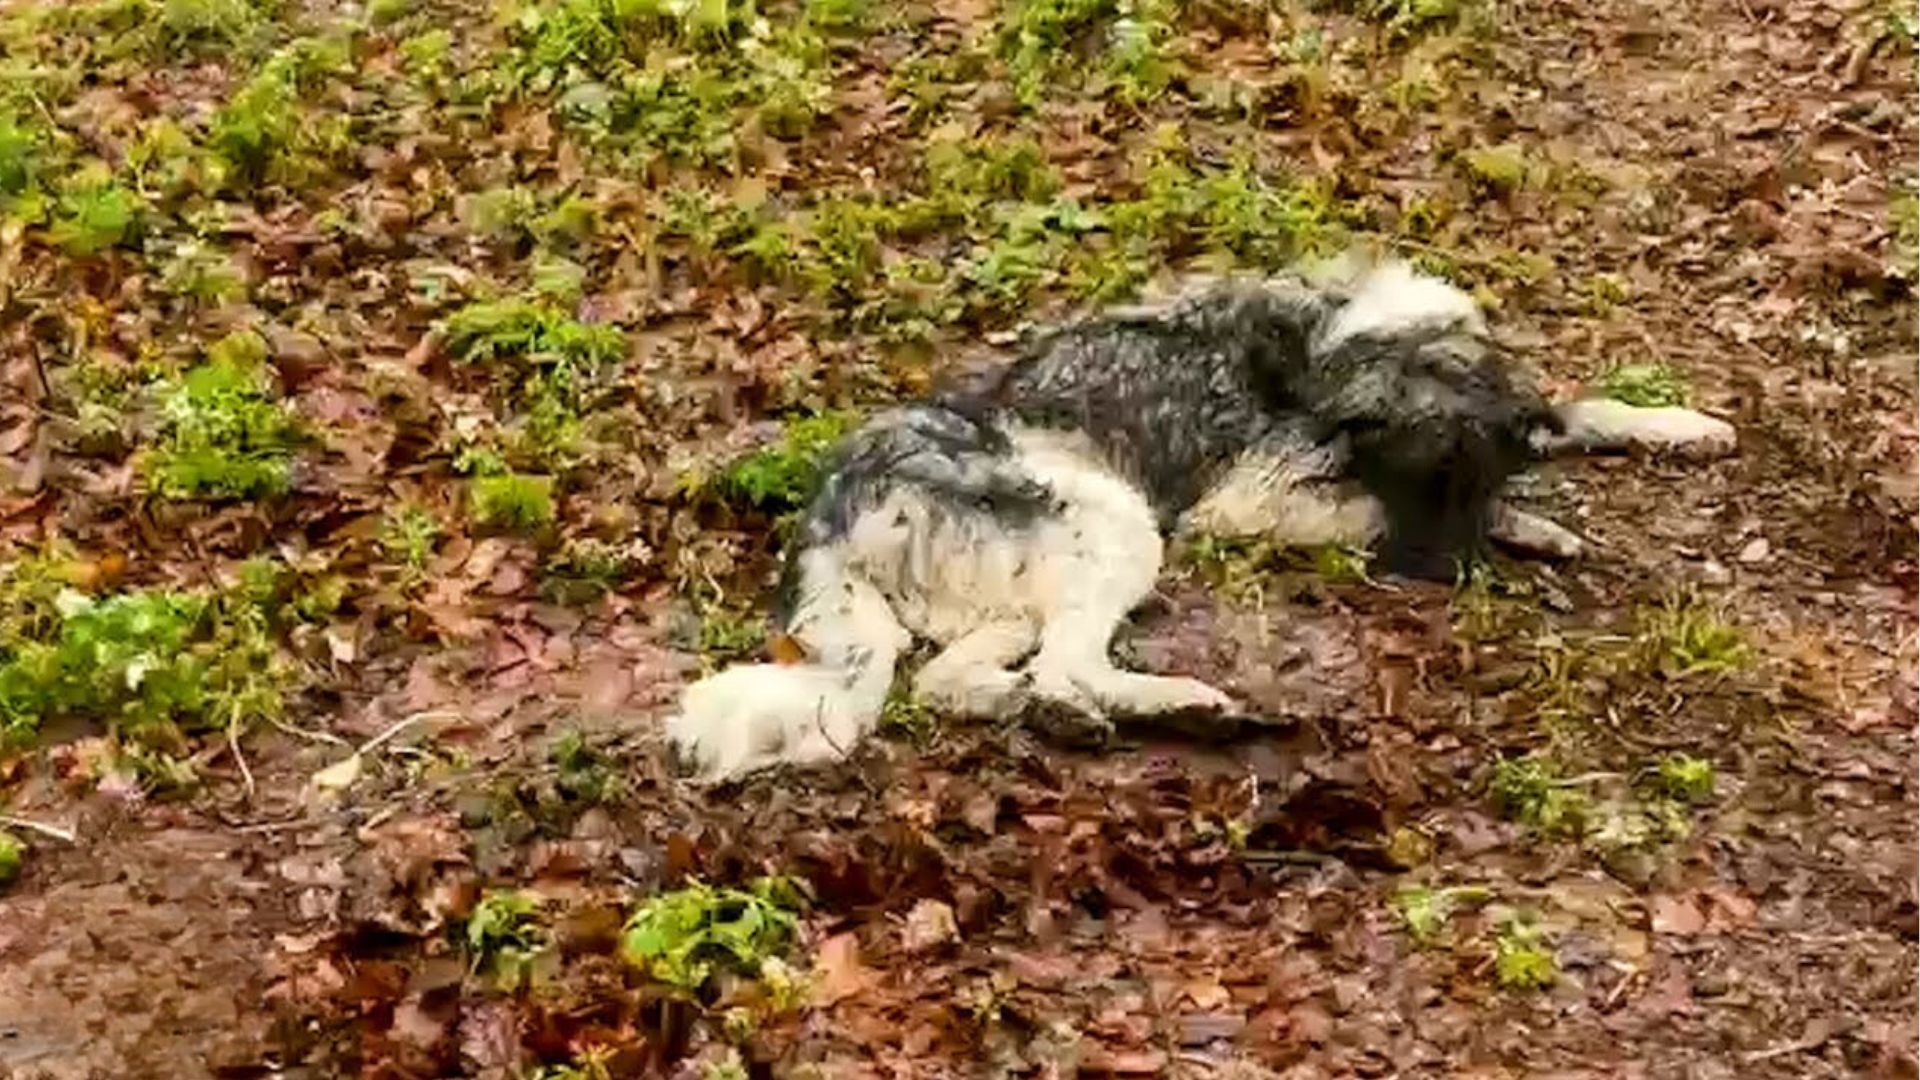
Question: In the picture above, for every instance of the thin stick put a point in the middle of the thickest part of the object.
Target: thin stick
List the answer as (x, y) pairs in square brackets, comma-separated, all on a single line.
[(54, 831), (1799, 1046), (240, 759), (401, 725), (303, 733)]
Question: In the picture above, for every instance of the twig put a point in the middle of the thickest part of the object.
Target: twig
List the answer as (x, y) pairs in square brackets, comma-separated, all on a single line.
[(240, 759), (303, 733), (401, 725), (820, 724), (1289, 858), (42, 828), (1588, 778), (1798, 1046)]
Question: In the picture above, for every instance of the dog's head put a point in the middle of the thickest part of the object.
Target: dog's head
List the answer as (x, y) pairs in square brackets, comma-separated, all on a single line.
[(1437, 416)]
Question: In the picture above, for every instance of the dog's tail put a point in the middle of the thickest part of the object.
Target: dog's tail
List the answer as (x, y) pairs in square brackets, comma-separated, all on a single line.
[(1436, 417), (757, 715)]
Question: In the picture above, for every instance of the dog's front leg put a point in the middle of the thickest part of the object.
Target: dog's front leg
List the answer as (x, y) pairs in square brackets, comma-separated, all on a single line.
[(1289, 496), (1531, 534), (1598, 425)]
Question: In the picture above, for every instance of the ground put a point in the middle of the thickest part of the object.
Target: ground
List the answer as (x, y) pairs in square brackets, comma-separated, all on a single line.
[(442, 377)]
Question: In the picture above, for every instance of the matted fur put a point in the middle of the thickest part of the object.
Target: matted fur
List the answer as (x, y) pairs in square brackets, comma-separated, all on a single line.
[(1015, 523)]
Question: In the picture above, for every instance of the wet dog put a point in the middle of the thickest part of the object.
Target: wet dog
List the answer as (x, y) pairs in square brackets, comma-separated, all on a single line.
[(1017, 522)]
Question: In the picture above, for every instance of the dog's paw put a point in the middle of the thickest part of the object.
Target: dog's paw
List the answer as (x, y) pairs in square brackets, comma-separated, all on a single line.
[(1605, 424), (1062, 710), (1531, 534)]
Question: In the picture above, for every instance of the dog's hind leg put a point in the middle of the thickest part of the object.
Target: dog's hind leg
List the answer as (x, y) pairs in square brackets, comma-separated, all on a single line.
[(753, 716), (1076, 686), (970, 678), (1074, 681)]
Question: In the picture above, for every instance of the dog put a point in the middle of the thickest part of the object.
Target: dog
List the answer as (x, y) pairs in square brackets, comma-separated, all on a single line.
[(1015, 522)]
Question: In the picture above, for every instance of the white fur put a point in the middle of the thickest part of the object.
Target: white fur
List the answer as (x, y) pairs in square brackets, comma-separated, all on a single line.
[(1604, 424), (750, 717), (991, 593), (988, 594), (1393, 298), (1287, 497), (1518, 529)]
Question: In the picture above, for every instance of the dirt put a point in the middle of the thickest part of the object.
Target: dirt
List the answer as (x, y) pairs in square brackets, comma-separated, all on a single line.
[(1168, 906)]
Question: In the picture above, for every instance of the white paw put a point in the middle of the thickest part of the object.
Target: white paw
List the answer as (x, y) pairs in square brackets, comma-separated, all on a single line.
[(1153, 695), (980, 695), (734, 722), (1059, 690), (1602, 423), (1535, 535)]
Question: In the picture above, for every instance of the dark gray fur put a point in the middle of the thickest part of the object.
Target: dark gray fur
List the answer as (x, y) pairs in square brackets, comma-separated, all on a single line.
[(1432, 422)]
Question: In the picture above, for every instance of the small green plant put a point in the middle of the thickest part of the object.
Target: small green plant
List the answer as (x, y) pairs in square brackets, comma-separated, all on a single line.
[(1686, 636), (505, 937), (201, 273), (502, 329), (1406, 18), (839, 16), (783, 477), (385, 12), (152, 665), (262, 133), (1529, 790), (585, 775), (13, 853), (1522, 962), (1425, 912), (408, 537), (513, 501), (1684, 778), (590, 1063), (1041, 39), (727, 1066), (1901, 21), (1497, 169), (561, 362), (1343, 565), (23, 152), (685, 937), (94, 216), (726, 635), (584, 570), (905, 715), (1645, 385), (224, 437)]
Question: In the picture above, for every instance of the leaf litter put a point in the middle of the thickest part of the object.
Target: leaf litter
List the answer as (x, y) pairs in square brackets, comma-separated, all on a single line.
[(530, 328)]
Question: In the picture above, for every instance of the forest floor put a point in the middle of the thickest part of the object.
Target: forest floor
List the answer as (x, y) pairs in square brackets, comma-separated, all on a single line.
[(402, 403)]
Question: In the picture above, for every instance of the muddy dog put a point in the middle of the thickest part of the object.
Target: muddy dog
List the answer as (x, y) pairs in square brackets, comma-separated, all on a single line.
[(1015, 523)]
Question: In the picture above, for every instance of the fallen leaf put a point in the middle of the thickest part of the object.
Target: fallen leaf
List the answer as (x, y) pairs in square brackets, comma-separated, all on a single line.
[(1729, 909), (1124, 1062), (838, 972), (929, 925), (786, 649), (1677, 915), (338, 776)]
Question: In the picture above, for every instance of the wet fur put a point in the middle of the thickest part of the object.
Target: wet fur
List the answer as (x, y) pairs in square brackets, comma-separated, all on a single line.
[(1017, 521)]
